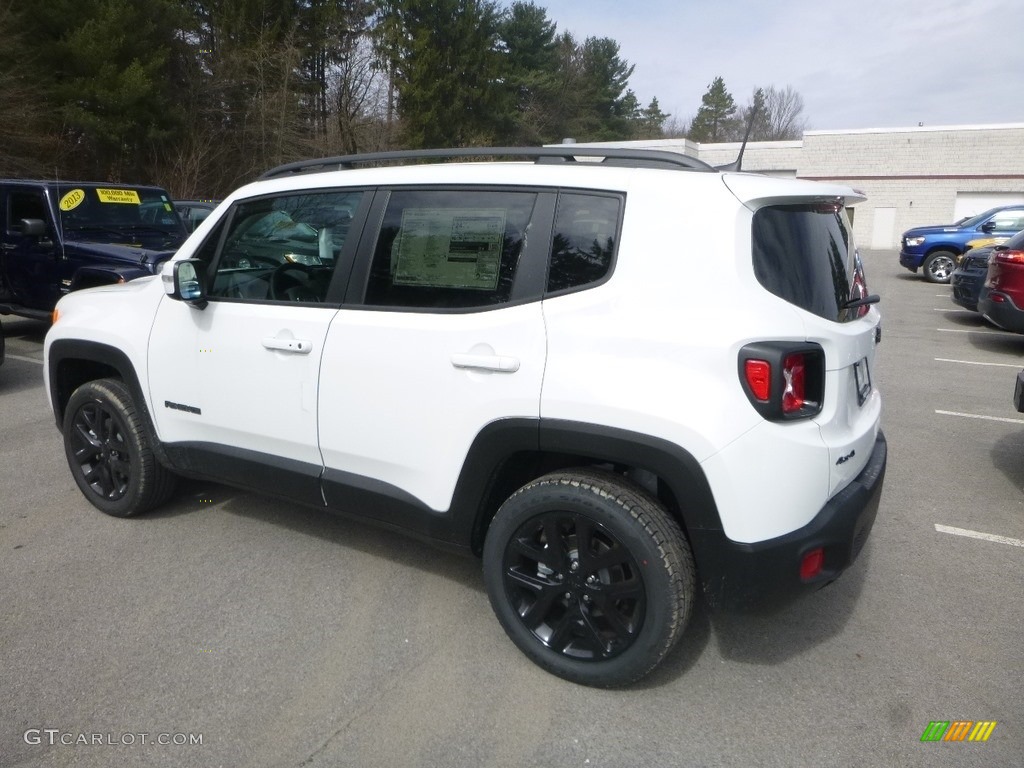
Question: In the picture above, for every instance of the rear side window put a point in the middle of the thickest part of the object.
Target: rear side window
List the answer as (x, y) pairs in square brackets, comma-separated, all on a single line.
[(805, 255), (449, 249), (585, 236)]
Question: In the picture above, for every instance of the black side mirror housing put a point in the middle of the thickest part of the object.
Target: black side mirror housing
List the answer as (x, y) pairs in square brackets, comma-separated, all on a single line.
[(33, 227)]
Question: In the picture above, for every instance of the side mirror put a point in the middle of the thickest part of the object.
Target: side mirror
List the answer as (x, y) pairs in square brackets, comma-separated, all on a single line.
[(33, 227), (185, 281), (988, 226)]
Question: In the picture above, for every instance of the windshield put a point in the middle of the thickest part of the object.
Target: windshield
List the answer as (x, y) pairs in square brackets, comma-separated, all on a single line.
[(112, 213)]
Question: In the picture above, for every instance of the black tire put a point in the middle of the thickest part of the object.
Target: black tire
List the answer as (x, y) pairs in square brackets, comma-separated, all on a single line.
[(109, 451), (604, 614), (939, 266)]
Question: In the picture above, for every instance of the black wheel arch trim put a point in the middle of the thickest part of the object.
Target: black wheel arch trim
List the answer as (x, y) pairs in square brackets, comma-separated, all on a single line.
[(112, 358), (63, 350), (676, 466)]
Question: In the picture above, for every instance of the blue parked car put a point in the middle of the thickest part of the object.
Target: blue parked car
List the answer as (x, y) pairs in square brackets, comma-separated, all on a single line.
[(934, 249)]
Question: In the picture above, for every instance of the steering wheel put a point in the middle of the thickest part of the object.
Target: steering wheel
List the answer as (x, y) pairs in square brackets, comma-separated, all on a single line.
[(292, 281)]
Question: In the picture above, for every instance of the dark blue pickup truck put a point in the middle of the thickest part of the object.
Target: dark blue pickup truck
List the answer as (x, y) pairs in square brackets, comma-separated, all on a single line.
[(57, 237)]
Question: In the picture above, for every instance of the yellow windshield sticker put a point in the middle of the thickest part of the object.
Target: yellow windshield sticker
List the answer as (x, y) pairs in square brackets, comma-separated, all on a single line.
[(129, 196), (72, 200)]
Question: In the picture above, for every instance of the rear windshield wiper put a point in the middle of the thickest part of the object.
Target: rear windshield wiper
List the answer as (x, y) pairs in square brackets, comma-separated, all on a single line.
[(874, 298)]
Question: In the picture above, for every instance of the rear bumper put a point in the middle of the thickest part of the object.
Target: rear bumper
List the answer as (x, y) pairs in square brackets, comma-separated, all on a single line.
[(1005, 313), (741, 576)]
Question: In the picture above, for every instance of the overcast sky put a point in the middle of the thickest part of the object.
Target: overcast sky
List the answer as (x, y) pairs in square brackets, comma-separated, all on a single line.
[(863, 64)]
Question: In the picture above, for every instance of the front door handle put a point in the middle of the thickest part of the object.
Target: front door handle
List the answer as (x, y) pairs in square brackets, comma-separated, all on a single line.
[(298, 346), (497, 363)]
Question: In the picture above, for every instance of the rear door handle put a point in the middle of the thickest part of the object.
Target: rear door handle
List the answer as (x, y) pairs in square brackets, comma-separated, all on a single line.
[(497, 363), (298, 346)]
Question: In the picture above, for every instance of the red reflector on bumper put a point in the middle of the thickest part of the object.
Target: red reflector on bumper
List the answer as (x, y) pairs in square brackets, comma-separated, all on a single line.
[(812, 564)]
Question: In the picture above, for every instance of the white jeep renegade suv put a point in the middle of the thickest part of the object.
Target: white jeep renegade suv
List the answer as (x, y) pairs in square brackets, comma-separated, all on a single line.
[(624, 380)]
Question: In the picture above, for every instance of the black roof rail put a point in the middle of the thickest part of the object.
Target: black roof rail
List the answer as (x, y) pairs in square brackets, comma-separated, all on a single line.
[(569, 153)]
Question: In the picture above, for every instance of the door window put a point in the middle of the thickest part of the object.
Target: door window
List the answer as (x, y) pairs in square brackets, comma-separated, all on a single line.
[(283, 248), (449, 249), (1009, 221), (24, 205)]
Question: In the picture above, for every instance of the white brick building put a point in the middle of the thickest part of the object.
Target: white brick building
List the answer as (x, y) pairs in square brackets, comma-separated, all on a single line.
[(911, 176)]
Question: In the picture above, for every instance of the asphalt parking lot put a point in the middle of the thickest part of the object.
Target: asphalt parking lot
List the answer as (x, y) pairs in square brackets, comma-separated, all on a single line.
[(231, 630)]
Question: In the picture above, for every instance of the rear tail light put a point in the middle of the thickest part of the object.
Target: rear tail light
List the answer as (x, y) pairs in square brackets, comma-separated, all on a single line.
[(1008, 257), (794, 393), (759, 378), (859, 286), (783, 380)]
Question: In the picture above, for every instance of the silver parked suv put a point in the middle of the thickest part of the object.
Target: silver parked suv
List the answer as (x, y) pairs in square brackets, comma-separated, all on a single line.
[(625, 380)]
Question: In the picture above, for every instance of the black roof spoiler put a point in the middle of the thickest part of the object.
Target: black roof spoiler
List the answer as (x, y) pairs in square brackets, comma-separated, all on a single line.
[(570, 153)]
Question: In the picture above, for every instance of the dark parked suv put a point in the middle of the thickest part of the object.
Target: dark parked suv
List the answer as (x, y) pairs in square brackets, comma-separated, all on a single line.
[(56, 237)]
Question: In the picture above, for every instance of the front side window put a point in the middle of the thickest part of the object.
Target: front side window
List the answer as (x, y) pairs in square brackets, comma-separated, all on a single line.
[(805, 255), (283, 248), (585, 236), (449, 249), (1009, 221), (25, 205)]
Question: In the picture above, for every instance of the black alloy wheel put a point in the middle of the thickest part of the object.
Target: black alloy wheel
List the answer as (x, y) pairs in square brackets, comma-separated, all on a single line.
[(109, 451), (101, 450), (574, 585), (590, 576)]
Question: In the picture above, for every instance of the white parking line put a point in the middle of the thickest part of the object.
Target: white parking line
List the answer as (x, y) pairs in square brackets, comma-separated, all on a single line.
[(24, 359), (972, 362), (953, 309), (972, 330), (979, 535), (979, 416)]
